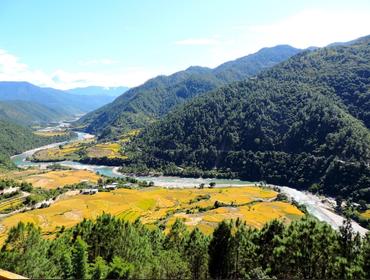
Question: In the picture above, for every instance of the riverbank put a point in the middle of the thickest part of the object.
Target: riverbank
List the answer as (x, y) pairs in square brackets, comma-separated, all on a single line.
[(313, 203)]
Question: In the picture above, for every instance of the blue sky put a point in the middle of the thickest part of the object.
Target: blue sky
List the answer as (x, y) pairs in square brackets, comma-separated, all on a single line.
[(73, 43)]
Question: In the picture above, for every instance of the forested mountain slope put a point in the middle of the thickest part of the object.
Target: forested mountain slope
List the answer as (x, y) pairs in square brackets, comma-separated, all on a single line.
[(300, 123), (155, 98), (15, 139), (28, 113)]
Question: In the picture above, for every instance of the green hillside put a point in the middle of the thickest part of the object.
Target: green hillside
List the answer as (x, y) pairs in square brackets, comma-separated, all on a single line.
[(152, 100), (28, 113), (15, 139), (294, 125)]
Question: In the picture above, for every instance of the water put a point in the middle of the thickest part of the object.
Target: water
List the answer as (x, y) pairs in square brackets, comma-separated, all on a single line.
[(313, 204)]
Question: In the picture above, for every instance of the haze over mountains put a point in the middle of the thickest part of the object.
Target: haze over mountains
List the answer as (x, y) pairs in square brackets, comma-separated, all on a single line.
[(29, 104), (98, 91), (155, 98)]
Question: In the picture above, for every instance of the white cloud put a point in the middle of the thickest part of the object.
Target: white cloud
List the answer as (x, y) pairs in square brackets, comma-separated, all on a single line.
[(303, 29), (198, 42), (315, 28), (11, 69)]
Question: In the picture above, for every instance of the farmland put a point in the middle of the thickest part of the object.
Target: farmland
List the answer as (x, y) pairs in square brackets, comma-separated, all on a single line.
[(59, 178), (109, 150), (366, 214), (78, 150), (51, 133), (202, 208)]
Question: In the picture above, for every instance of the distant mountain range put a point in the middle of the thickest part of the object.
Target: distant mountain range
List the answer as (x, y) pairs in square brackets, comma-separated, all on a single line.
[(155, 98), (26, 103)]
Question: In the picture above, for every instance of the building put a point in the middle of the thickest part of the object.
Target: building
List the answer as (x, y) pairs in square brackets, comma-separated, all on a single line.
[(112, 186), (89, 191)]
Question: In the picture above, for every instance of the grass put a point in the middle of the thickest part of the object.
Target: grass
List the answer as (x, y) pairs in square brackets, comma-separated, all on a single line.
[(54, 179), (158, 205)]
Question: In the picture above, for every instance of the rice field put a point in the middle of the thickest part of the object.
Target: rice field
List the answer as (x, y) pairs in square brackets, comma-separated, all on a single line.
[(73, 151), (51, 133), (60, 178), (109, 150), (366, 214), (162, 206), (11, 202)]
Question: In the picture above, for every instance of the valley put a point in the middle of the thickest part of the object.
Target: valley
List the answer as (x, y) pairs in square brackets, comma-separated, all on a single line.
[(252, 168), (202, 208)]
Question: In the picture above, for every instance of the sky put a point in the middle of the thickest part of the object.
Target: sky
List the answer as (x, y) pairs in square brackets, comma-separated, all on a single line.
[(76, 43)]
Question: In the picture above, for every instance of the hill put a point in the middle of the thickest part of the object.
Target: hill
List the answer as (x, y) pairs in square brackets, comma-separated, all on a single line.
[(52, 98), (15, 139), (155, 98), (28, 113), (301, 123)]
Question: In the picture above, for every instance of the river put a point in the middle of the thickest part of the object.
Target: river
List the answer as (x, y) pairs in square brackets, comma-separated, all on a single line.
[(314, 204)]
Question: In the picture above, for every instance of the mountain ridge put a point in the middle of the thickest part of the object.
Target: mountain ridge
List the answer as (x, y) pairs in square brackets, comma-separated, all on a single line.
[(156, 97)]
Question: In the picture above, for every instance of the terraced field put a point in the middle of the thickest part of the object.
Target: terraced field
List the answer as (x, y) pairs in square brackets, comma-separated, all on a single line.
[(77, 150), (65, 152), (11, 202), (51, 133), (109, 150), (54, 179), (162, 206)]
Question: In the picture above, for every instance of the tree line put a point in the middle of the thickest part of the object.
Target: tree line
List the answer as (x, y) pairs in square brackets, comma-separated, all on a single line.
[(110, 248)]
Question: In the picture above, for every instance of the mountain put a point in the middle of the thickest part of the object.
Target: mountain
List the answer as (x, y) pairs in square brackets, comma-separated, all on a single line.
[(155, 98), (302, 123), (28, 113), (15, 139), (99, 91), (52, 98)]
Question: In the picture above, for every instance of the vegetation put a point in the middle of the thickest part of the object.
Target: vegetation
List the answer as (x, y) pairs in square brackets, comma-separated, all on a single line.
[(15, 139), (110, 248), (155, 98), (202, 208), (292, 125), (28, 113)]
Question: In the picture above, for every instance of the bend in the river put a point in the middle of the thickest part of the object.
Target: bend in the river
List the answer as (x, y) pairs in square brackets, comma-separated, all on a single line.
[(313, 203)]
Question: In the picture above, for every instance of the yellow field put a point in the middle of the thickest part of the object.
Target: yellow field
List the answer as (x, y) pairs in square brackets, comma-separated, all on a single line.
[(19, 175), (12, 202), (51, 133), (366, 214), (109, 150), (73, 151), (126, 137), (54, 179), (153, 204)]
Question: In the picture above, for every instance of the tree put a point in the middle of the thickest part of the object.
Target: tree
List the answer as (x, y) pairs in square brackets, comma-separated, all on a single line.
[(100, 269), (25, 252), (219, 250), (119, 269), (79, 257), (177, 237), (196, 251)]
